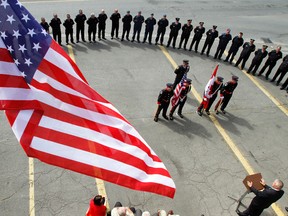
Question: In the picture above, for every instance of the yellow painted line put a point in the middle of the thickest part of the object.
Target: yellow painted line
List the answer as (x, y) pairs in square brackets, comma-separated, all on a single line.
[(31, 187), (222, 131), (99, 183)]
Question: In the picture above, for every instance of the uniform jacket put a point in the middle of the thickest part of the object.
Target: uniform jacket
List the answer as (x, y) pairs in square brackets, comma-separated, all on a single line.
[(198, 32), (45, 25), (247, 49), (273, 56), (284, 64), (92, 23), (164, 96), (55, 25), (175, 27), (237, 42), (180, 71), (80, 19), (224, 39), (68, 23), (186, 30), (138, 20), (211, 35), (127, 19), (163, 23), (228, 88), (115, 17), (259, 55), (102, 19), (150, 23)]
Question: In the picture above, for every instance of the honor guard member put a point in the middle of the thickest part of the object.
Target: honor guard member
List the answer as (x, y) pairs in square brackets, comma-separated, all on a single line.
[(92, 27), (223, 41), (182, 99), (237, 42), (260, 54), (55, 24), (138, 20), (226, 94), (217, 86), (174, 29), (80, 24), (180, 71), (127, 19), (162, 24), (248, 48), (150, 22), (68, 24), (285, 85), (282, 70), (44, 25), (186, 31), (115, 17), (273, 57), (211, 34), (198, 32), (163, 101), (102, 17)]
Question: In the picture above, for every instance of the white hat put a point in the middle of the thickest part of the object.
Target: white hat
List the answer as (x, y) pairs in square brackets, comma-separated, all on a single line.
[(145, 213), (121, 211)]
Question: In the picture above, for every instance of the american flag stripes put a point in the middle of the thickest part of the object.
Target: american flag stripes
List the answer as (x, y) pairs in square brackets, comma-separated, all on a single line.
[(180, 86), (59, 119)]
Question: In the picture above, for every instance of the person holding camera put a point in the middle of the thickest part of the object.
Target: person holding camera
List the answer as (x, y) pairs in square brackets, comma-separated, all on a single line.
[(97, 207)]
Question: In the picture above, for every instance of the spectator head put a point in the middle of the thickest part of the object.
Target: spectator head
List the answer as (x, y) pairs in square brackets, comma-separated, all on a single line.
[(68, 16), (55, 16), (240, 34), (145, 213), (161, 213), (98, 200), (80, 11), (92, 15), (228, 30), (43, 19), (102, 11), (116, 10), (277, 184), (278, 48)]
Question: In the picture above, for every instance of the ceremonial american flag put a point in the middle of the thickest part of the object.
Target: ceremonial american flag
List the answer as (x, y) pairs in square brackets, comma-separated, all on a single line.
[(208, 87), (59, 119), (180, 86)]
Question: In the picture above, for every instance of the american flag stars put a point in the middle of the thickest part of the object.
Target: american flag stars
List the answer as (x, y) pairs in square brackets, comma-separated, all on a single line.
[(4, 3)]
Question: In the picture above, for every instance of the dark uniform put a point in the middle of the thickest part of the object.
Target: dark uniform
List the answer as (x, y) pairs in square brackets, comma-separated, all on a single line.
[(198, 32), (56, 29), (273, 57), (211, 34), (260, 54), (115, 17), (162, 24), (237, 42), (223, 41), (180, 71), (217, 86), (285, 85), (163, 101), (186, 31), (80, 26), (44, 24), (92, 27), (68, 23), (174, 29), (182, 99), (127, 19), (150, 22), (102, 17), (248, 48), (282, 70), (138, 20)]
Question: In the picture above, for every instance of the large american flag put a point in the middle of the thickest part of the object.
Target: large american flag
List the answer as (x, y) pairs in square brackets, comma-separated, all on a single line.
[(59, 119)]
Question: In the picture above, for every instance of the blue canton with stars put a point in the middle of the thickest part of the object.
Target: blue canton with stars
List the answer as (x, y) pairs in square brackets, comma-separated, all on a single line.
[(23, 36)]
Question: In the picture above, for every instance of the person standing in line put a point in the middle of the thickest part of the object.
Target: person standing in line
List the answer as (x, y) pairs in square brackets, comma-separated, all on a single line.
[(80, 26), (260, 54), (223, 41), (180, 71), (198, 33), (174, 29), (138, 21), (237, 42), (127, 19), (150, 22), (162, 24), (115, 17), (102, 17), (211, 34), (186, 31), (282, 70), (55, 24), (92, 27), (45, 25), (248, 48), (68, 23), (285, 85)]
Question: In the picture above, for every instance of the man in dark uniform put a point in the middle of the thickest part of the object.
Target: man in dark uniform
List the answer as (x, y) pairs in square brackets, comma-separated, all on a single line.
[(55, 24), (127, 19), (285, 85), (180, 71), (80, 24), (223, 41), (198, 32), (260, 54), (217, 86), (211, 34), (138, 20), (115, 17), (226, 94), (162, 24), (163, 101), (174, 29), (102, 17), (186, 31), (248, 48), (237, 42), (44, 24), (68, 23), (264, 198), (150, 22), (92, 27), (282, 70), (273, 57), (182, 99)]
